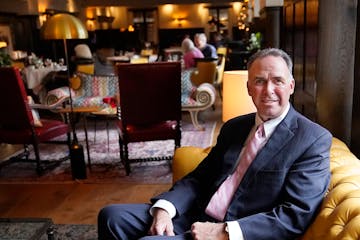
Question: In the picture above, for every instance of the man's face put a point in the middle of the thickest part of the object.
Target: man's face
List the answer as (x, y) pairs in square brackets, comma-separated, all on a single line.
[(199, 42), (270, 85)]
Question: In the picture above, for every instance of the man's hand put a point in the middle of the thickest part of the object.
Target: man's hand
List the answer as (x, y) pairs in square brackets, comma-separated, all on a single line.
[(209, 231), (162, 223)]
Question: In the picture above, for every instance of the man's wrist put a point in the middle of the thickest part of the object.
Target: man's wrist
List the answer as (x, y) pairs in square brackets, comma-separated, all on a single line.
[(226, 231)]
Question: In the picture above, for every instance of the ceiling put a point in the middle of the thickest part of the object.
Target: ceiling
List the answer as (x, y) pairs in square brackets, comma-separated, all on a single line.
[(149, 3)]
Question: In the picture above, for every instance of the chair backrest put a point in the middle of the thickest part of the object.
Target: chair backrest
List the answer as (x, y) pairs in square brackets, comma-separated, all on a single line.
[(220, 68), (15, 111), (89, 85), (146, 52), (86, 68), (150, 92), (138, 60), (222, 50), (206, 72)]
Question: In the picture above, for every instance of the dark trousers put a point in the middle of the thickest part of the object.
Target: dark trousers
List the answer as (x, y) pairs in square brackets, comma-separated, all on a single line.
[(133, 221)]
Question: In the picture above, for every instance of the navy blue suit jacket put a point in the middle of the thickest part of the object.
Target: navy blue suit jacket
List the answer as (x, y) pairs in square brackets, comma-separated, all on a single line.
[(283, 187)]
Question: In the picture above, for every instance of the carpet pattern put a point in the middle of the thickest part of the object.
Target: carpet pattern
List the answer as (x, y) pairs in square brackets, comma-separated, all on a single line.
[(73, 232), (39, 228), (105, 157)]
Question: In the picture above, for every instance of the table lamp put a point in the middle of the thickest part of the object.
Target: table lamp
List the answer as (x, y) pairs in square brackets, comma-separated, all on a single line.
[(236, 100), (65, 26), (3, 44)]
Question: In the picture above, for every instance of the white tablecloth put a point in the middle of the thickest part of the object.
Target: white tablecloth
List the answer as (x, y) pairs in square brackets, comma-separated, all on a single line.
[(34, 76)]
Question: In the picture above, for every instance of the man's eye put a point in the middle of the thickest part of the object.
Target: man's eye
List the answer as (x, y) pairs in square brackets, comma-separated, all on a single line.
[(279, 81), (259, 81)]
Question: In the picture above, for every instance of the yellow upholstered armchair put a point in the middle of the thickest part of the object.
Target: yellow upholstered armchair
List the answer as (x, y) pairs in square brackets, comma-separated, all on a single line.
[(205, 72), (220, 73), (83, 59), (222, 54), (339, 213)]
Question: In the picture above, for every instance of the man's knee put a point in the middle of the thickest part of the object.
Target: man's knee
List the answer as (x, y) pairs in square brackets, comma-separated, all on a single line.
[(125, 221), (105, 213)]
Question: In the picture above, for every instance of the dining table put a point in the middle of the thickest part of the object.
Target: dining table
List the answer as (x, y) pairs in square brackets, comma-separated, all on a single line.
[(33, 76)]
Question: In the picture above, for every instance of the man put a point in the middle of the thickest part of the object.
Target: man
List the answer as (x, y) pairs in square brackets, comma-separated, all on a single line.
[(279, 192), (208, 50)]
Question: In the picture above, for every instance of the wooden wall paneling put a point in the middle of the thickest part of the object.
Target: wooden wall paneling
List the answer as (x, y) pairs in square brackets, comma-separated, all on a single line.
[(335, 66), (310, 56), (304, 55), (271, 24), (355, 126), (287, 36)]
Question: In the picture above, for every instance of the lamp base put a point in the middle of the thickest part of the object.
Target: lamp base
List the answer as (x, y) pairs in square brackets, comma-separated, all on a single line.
[(77, 159)]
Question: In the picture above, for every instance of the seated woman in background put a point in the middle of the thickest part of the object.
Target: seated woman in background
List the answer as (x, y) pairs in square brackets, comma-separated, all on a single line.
[(189, 53)]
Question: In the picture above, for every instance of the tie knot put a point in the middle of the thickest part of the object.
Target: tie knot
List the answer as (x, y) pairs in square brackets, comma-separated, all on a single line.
[(260, 132)]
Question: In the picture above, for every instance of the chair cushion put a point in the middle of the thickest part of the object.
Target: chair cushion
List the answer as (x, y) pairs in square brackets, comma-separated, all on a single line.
[(49, 130), (157, 131)]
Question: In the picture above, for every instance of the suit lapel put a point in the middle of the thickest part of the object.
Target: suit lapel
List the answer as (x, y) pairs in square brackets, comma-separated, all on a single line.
[(276, 143)]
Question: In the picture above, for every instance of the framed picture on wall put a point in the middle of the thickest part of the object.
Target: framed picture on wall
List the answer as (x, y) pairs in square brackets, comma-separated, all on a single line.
[(5, 36)]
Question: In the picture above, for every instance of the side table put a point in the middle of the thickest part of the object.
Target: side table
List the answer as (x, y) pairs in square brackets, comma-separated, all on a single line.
[(83, 111), (103, 116)]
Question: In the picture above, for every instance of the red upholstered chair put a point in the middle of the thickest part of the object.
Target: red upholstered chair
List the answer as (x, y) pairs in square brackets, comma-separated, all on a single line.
[(150, 105), (17, 125)]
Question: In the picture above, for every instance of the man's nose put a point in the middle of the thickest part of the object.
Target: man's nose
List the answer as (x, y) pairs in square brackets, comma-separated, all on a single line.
[(269, 87)]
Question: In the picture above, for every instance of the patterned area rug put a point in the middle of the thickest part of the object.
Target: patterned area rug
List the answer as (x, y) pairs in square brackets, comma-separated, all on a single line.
[(105, 157), (42, 228), (73, 232)]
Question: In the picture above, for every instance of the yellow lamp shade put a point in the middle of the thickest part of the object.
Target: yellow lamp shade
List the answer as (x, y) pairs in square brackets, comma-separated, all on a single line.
[(236, 100), (64, 26), (3, 44)]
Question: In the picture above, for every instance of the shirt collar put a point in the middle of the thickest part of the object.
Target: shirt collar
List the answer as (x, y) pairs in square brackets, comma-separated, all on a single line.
[(270, 125)]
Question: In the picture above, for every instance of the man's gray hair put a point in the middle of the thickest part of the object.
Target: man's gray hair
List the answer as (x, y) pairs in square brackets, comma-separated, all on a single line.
[(201, 36), (275, 52)]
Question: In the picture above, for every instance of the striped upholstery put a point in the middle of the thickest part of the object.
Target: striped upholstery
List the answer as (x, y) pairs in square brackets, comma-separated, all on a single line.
[(94, 88)]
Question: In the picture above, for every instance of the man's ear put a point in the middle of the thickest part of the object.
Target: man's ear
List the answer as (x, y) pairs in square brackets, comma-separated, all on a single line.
[(292, 84), (248, 88)]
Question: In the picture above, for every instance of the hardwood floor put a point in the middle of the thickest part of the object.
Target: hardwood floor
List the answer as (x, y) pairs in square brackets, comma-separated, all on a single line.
[(74, 203), (77, 203)]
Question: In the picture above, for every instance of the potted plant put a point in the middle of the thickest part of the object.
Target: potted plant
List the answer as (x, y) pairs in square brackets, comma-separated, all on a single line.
[(254, 42), (5, 59)]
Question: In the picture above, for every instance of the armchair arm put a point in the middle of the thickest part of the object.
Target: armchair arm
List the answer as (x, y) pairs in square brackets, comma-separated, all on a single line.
[(204, 97), (186, 159), (58, 104)]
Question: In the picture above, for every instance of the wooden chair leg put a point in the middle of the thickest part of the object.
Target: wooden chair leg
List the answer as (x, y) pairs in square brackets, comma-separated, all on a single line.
[(219, 87), (124, 156), (126, 159)]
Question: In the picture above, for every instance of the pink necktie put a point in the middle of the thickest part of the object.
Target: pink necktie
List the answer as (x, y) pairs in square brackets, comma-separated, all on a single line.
[(220, 201)]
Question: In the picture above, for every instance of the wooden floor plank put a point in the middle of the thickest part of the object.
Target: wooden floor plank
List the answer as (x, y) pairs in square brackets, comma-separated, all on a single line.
[(69, 203)]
